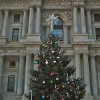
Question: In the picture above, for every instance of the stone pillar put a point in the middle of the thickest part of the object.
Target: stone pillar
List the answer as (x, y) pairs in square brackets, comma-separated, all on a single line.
[(89, 22), (65, 35), (93, 75), (21, 75), (1, 69), (86, 73), (77, 64), (4, 30), (38, 19), (1, 22), (24, 27), (27, 74), (83, 24), (75, 19), (31, 17)]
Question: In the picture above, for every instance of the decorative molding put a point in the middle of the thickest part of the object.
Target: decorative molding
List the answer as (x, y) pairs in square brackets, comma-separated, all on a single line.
[(92, 2), (16, 1), (56, 3), (65, 15), (18, 4)]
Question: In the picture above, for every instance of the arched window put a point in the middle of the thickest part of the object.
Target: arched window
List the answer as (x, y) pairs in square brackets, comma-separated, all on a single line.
[(58, 29)]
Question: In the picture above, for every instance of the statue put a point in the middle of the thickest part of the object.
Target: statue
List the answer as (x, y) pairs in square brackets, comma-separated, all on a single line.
[(51, 21)]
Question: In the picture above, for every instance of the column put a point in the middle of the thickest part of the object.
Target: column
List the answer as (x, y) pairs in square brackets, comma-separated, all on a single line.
[(0, 22), (38, 20), (77, 64), (4, 30), (31, 17), (75, 19), (93, 75), (83, 24), (86, 73), (27, 74), (21, 75), (24, 27), (89, 23), (1, 69), (65, 35)]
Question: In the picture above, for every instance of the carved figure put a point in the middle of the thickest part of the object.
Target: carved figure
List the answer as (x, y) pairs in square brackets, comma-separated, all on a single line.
[(51, 21)]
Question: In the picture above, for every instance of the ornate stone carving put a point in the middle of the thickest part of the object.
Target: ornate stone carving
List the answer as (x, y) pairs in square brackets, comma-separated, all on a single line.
[(10, 1), (92, 2), (63, 14), (57, 2), (18, 4)]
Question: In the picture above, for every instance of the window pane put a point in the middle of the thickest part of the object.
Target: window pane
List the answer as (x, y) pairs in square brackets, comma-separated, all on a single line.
[(97, 17), (11, 83), (59, 33), (97, 33), (58, 29), (17, 18), (59, 22), (15, 34)]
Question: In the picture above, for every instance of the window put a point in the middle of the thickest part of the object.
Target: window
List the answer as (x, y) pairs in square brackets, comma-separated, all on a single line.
[(58, 29), (17, 18), (15, 34), (97, 17), (12, 64), (11, 83), (98, 34)]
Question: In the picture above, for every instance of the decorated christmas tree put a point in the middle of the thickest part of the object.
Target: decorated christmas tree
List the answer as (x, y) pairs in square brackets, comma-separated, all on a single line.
[(54, 79)]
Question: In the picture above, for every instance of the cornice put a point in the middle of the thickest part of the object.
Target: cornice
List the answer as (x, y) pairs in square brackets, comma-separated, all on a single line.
[(14, 1), (18, 4)]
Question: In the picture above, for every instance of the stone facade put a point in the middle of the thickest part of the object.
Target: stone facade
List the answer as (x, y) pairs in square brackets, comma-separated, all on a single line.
[(80, 41)]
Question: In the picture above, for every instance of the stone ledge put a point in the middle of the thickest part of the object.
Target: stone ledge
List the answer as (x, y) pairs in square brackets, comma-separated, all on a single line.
[(2, 40), (33, 38), (80, 38), (88, 97)]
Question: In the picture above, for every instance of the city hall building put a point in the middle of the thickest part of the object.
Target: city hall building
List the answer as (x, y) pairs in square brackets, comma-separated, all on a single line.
[(23, 28)]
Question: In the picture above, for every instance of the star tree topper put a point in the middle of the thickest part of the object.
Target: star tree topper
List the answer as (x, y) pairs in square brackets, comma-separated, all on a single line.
[(52, 19)]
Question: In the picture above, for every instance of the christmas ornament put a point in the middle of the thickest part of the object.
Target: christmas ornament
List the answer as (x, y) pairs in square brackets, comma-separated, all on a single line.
[(63, 86), (60, 62), (57, 78), (43, 97), (57, 57), (46, 62), (43, 45), (52, 73), (62, 99), (43, 82), (47, 96), (51, 81), (54, 61), (55, 86), (35, 62), (52, 51)]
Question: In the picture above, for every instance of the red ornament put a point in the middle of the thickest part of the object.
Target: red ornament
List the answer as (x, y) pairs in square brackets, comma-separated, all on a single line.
[(60, 62), (62, 99), (39, 65)]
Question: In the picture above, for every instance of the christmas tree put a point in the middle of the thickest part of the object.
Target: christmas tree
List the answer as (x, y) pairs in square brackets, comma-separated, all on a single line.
[(54, 79)]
